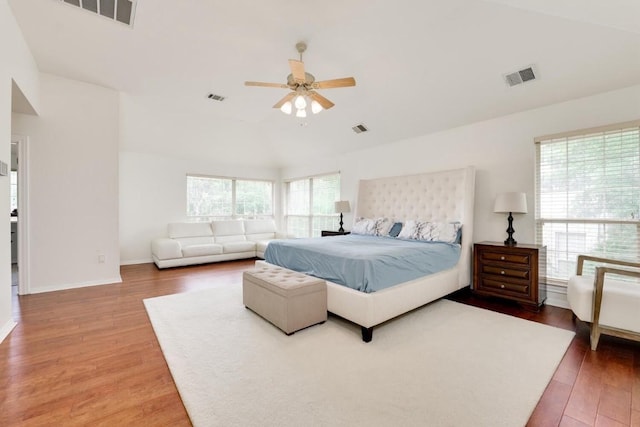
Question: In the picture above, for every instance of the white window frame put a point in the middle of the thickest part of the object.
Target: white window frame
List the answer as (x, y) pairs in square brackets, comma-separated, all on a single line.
[(569, 226), (310, 217), (234, 214)]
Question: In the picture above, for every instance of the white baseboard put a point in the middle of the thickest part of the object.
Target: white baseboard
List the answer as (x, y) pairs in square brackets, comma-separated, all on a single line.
[(136, 261), (6, 329), (557, 296), (107, 281)]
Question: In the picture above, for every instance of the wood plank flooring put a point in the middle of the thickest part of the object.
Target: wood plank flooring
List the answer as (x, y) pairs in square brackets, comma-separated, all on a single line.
[(89, 357)]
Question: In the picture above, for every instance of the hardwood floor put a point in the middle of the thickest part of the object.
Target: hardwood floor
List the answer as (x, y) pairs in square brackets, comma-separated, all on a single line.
[(89, 357), (589, 388)]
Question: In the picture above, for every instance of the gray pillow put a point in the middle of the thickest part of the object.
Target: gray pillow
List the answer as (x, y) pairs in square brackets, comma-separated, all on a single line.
[(395, 229)]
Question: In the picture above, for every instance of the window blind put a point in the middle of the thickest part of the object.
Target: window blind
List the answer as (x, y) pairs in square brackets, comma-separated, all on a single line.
[(588, 196), (310, 205)]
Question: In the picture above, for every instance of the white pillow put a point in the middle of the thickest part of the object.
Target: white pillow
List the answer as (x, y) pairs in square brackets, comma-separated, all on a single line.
[(412, 229), (431, 231), (364, 226), (382, 226), (440, 232)]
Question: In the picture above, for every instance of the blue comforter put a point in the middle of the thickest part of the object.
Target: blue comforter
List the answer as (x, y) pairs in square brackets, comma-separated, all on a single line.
[(364, 263)]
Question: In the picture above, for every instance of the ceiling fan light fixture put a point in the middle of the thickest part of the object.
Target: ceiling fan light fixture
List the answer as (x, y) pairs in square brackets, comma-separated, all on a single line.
[(287, 107), (302, 87), (300, 102), (316, 107)]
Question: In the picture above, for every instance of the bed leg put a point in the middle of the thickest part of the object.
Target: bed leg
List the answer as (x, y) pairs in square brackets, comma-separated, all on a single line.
[(367, 334)]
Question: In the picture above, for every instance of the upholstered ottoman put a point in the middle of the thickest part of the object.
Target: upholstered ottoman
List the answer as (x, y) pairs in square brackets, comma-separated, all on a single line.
[(288, 299)]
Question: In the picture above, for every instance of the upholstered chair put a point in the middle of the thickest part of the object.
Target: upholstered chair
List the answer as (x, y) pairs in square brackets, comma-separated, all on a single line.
[(610, 300)]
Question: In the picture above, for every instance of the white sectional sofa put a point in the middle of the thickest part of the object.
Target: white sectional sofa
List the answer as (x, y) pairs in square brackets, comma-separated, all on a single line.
[(202, 242)]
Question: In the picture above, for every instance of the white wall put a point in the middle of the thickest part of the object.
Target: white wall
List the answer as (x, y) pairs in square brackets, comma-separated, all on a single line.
[(73, 185), (16, 63), (153, 192), (153, 187), (501, 149)]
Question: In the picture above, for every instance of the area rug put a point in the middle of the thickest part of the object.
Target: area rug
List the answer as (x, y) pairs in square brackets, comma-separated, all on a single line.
[(445, 364)]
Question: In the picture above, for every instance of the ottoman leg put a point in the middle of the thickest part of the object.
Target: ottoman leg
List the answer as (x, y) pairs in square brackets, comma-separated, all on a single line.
[(367, 334)]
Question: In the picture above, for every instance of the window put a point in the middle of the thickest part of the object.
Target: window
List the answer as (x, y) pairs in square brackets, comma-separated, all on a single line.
[(227, 198), (588, 196), (310, 205)]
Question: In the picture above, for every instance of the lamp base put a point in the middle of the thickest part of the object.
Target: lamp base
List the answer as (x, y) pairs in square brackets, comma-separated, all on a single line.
[(510, 241), (341, 224)]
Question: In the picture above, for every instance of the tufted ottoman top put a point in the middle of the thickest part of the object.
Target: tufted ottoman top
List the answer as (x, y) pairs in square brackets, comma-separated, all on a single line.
[(283, 281)]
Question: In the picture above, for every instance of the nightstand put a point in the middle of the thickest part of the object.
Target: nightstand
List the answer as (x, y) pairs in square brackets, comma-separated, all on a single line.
[(325, 233), (511, 272)]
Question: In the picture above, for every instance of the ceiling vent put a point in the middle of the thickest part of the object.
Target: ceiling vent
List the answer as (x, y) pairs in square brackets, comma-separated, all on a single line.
[(360, 128), (117, 10), (522, 76), (215, 97)]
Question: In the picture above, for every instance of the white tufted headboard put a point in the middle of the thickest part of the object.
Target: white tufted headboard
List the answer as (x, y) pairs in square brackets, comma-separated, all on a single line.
[(436, 196)]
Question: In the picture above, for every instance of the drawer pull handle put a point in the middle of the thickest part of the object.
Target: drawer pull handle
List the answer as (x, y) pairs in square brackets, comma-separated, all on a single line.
[(502, 286), (502, 272), (501, 258)]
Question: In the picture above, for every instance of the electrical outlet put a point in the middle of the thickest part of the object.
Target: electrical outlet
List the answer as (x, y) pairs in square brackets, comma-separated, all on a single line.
[(101, 259)]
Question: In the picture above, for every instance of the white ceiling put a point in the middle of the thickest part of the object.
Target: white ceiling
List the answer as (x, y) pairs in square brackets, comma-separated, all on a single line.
[(421, 65)]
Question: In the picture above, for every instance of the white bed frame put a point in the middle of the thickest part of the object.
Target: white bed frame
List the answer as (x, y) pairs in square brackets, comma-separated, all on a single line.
[(437, 196)]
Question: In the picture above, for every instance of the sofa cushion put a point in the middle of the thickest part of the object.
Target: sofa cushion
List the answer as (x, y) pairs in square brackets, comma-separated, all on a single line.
[(234, 247), (188, 241), (259, 226), (202, 250), (234, 238), (189, 229), (261, 236), (228, 228)]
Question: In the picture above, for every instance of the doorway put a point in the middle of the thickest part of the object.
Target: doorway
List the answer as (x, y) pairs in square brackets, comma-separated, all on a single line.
[(19, 215), (13, 194)]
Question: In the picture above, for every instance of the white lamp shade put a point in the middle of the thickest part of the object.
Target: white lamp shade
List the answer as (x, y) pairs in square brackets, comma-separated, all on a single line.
[(316, 107), (300, 102), (511, 202), (286, 107), (342, 206), (301, 113)]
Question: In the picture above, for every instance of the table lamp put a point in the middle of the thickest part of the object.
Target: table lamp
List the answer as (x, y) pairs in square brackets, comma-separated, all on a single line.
[(512, 203), (341, 207)]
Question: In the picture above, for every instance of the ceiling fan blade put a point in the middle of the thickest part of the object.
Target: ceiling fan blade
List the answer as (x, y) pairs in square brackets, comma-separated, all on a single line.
[(297, 70), (262, 84), (326, 104), (288, 97), (330, 84)]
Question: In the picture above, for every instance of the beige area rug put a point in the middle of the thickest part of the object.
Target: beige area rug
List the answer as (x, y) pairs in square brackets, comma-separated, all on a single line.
[(445, 364)]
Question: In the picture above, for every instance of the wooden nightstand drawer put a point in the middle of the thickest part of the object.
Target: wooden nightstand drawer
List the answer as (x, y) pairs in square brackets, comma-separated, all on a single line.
[(512, 272), (505, 271), (501, 256), (501, 285)]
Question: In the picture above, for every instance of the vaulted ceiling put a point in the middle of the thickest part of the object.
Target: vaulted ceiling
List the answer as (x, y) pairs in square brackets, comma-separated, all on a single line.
[(421, 66)]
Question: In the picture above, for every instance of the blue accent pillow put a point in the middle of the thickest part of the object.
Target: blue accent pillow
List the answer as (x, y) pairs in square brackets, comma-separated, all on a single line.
[(395, 229)]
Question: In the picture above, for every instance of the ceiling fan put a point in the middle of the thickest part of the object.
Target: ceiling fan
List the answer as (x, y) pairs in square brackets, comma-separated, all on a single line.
[(303, 86)]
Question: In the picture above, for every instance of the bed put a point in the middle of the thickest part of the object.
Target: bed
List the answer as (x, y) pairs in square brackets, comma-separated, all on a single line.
[(445, 196)]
